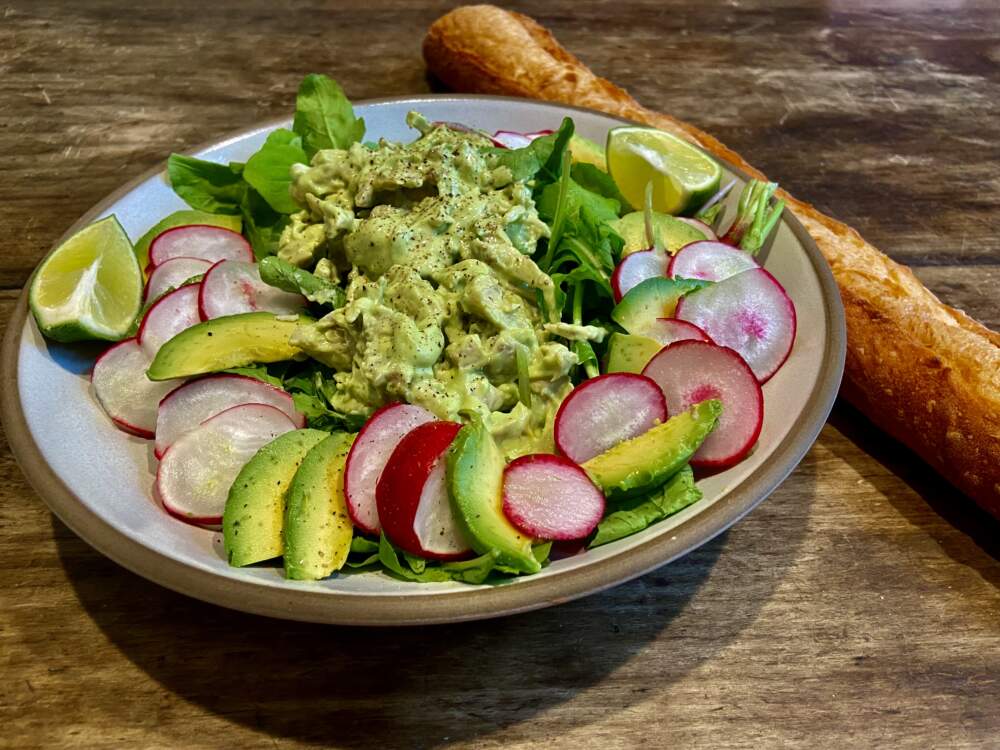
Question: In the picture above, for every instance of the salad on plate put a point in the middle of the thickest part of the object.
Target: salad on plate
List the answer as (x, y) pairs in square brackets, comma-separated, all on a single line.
[(447, 359)]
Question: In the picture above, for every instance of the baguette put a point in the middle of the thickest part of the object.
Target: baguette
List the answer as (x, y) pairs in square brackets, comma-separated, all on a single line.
[(924, 372)]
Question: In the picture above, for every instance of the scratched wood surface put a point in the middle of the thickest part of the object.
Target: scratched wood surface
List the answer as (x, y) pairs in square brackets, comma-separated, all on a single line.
[(859, 606)]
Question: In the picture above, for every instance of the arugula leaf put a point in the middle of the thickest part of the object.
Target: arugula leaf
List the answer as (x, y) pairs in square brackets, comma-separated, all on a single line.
[(258, 372), (262, 225), (475, 570), (205, 185), (543, 157), (638, 513), (269, 170), (324, 116), (576, 199), (598, 181), (361, 546), (281, 274)]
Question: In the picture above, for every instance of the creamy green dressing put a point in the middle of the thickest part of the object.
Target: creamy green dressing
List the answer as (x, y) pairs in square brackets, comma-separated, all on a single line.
[(435, 240)]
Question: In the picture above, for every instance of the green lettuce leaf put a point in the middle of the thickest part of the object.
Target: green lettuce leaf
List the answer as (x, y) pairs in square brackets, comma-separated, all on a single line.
[(363, 554), (541, 159), (638, 513), (598, 181), (475, 570), (262, 225), (324, 116), (269, 170), (205, 185), (283, 275)]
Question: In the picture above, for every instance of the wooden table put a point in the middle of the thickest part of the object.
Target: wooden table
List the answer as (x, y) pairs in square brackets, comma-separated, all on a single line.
[(858, 607)]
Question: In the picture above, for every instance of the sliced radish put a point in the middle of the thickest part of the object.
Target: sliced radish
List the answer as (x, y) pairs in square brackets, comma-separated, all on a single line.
[(669, 330), (232, 287), (749, 312), (170, 315), (690, 372), (510, 139), (124, 391), (199, 241), (636, 268), (604, 411), (369, 455), (701, 226), (186, 407), (172, 274), (711, 261), (197, 471), (412, 498), (550, 497)]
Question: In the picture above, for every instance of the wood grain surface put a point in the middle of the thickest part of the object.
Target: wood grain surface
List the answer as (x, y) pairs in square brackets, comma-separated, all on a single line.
[(858, 607)]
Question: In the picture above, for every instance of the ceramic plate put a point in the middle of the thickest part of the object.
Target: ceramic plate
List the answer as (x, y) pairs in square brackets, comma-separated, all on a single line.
[(98, 479)]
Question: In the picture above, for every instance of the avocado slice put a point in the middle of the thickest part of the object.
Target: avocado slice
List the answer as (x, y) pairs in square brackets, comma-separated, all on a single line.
[(254, 518), (224, 343), (651, 299), (630, 353), (318, 530), (585, 151), (673, 232), (475, 485), (647, 461)]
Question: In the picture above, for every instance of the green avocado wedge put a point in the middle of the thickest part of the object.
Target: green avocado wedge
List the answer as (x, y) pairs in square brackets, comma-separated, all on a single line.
[(585, 151), (318, 529), (673, 233), (182, 218), (224, 343), (647, 461), (651, 299), (475, 486), (254, 519), (629, 353)]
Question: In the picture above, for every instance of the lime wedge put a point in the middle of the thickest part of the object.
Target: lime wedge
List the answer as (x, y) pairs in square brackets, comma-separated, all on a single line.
[(683, 177), (90, 287)]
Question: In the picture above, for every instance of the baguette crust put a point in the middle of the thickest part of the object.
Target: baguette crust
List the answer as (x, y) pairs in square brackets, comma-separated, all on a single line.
[(924, 372)]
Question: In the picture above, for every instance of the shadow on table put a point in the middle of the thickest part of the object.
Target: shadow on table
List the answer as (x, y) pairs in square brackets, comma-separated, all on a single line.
[(945, 502), (426, 687)]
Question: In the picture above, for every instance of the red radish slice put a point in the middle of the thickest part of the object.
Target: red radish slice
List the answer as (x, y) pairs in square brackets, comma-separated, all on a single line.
[(669, 330), (636, 268), (690, 372), (187, 406), (749, 312), (172, 274), (701, 226), (550, 497), (197, 471), (369, 455), (199, 241), (232, 287), (122, 388), (170, 315), (412, 497), (604, 411), (510, 139), (712, 261)]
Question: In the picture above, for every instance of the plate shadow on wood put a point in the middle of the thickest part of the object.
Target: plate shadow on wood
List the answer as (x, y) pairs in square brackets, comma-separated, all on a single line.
[(938, 495), (431, 686)]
